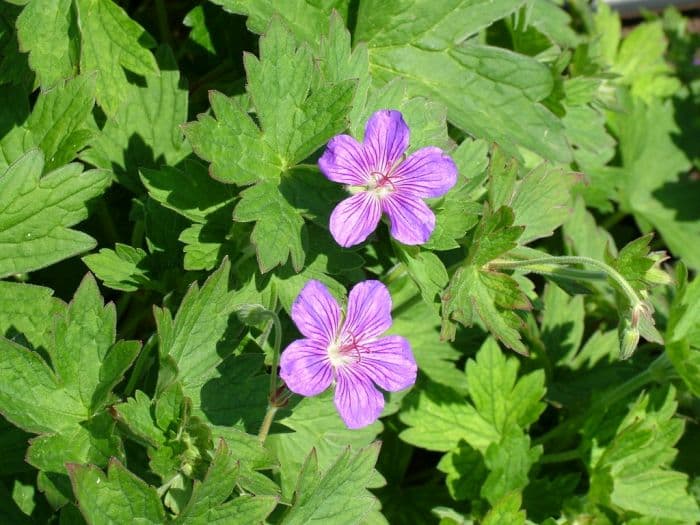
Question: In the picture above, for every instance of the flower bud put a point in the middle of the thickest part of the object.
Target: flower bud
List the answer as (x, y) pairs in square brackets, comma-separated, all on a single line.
[(628, 335), (656, 274)]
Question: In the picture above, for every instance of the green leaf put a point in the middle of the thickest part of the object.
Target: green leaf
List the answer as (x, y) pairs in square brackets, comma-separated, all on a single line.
[(498, 395), (198, 342), (506, 511), (44, 29), (554, 22), (641, 62), (439, 418), (191, 339), (234, 393), (306, 19), (295, 122), (83, 344), (634, 261), (243, 509), (251, 456), (110, 40), (31, 396), (477, 291), (562, 324), (279, 232), (583, 236), (338, 493), (509, 462), (316, 427), (118, 497), (14, 70), (682, 329), (608, 30), (66, 404), (124, 268), (57, 124), (476, 83), (144, 130), (136, 414), (654, 184), (37, 213), (298, 113), (466, 472), (190, 191), (430, 26), (214, 489), (207, 505), (593, 146), (207, 244), (94, 441), (543, 188), (14, 111), (436, 358), (232, 143), (632, 471), (494, 236), (458, 212), (25, 319), (426, 270), (426, 119)]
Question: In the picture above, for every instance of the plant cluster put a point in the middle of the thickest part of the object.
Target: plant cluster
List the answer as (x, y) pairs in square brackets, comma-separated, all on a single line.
[(343, 261)]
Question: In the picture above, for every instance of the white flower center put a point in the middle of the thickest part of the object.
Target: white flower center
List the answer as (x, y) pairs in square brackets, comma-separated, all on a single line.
[(380, 184), (339, 355), (344, 350)]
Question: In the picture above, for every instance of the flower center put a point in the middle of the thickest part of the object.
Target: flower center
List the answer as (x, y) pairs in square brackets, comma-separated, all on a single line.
[(343, 351), (380, 183)]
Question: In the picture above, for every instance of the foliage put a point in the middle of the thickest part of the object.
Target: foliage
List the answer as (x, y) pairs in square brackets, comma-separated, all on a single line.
[(161, 207)]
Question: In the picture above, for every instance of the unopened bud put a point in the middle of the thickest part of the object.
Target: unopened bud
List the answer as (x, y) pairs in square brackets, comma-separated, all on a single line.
[(656, 274), (629, 338)]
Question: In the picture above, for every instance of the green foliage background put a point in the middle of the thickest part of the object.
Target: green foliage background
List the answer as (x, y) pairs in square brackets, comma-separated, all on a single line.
[(160, 207)]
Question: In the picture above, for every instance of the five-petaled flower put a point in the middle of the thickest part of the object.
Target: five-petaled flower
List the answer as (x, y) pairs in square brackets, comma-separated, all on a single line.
[(349, 350), (384, 180)]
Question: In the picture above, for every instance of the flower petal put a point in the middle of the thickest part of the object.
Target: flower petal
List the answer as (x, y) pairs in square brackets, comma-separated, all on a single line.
[(426, 173), (412, 222), (389, 363), (369, 311), (305, 368), (316, 313), (353, 219), (357, 400), (344, 161), (386, 139)]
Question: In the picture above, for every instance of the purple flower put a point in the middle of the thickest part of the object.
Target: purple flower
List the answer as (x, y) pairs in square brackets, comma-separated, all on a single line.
[(348, 350), (383, 180)]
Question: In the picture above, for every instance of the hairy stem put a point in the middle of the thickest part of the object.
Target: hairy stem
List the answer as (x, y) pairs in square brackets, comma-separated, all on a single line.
[(267, 422), (611, 272), (276, 346)]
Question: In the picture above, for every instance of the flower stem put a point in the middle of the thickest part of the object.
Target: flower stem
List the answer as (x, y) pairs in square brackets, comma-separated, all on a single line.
[(561, 457), (272, 403), (276, 346), (267, 422), (611, 272)]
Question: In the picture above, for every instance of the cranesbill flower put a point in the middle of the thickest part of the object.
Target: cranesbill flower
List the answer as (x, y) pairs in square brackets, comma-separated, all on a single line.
[(347, 350), (383, 180)]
